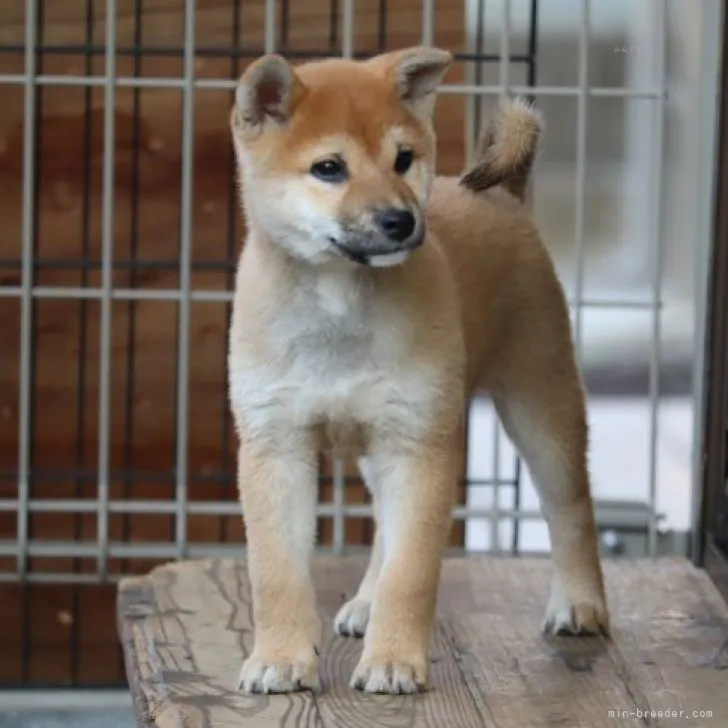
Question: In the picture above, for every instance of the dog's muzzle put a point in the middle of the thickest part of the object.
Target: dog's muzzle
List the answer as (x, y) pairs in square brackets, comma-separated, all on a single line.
[(396, 232)]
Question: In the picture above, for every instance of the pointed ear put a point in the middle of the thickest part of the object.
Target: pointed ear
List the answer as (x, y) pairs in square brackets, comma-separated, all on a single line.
[(268, 90), (416, 73)]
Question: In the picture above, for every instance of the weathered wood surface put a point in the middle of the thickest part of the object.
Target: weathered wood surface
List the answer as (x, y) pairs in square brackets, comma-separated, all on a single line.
[(186, 628)]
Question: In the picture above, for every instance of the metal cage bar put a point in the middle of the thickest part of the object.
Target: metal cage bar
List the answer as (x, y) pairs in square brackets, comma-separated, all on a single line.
[(107, 254), (210, 84), (581, 171), (186, 207), (657, 269), (26, 291)]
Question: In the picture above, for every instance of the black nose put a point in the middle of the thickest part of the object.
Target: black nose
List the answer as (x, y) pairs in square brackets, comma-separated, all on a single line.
[(397, 225)]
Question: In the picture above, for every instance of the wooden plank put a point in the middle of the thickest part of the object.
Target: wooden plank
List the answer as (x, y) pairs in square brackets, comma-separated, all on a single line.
[(667, 653), (491, 613), (58, 635), (671, 647), (134, 606), (187, 627), (448, 702)]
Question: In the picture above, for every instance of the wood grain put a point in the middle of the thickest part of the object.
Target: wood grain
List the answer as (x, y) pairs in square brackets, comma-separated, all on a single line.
[(186, 627), (451, 704)]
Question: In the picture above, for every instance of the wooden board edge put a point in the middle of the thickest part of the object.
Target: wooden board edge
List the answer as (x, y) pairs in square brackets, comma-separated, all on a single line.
[(135, 601), (716, 567)]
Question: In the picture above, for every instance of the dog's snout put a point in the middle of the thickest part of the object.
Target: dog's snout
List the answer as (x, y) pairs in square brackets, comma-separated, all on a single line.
[(397, 224)]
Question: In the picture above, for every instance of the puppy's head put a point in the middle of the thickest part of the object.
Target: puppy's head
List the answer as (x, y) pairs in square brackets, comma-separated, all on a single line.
[(337, 157)]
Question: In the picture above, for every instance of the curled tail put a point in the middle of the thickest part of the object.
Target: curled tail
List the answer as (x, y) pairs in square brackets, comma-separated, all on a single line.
[(506, 149)]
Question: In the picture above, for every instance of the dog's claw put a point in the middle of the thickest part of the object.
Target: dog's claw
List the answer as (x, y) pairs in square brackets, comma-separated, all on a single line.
[(577, 619), (263, 676)]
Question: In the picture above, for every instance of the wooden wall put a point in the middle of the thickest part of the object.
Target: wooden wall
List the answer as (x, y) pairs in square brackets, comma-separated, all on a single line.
[(69, 139)]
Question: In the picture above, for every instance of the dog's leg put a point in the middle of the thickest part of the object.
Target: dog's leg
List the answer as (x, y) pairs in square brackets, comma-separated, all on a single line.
[(542, 409), (353, 617), (416, 496), (278, 495)]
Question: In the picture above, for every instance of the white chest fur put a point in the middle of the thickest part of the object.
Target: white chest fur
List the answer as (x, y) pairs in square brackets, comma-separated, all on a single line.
[(335, 356)]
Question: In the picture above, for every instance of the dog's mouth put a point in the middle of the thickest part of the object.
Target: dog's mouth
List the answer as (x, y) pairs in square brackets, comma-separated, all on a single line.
[(365, 251)]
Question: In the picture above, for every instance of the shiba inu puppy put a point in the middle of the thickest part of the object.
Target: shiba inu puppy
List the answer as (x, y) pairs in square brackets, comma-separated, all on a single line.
[(372, 299)]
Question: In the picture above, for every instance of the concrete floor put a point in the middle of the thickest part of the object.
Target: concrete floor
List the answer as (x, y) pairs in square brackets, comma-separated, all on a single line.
[(114, 718), (66, 709)]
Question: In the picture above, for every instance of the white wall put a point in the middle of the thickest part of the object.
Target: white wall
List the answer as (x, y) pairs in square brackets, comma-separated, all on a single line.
[(624, 176), (621, 167)]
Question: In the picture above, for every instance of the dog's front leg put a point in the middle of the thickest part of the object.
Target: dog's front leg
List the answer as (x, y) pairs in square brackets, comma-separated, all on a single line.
[(278, 495), (416, 489)]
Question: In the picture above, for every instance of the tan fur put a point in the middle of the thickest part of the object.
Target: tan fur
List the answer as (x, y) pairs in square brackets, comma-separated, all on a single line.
[(378, 363), (506, 150)]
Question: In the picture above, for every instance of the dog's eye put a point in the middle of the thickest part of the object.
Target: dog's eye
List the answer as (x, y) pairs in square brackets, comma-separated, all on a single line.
[(330, 170), (403, 161)]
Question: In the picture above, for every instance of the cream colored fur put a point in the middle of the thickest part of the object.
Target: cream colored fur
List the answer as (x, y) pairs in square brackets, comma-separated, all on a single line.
[(377, 361)]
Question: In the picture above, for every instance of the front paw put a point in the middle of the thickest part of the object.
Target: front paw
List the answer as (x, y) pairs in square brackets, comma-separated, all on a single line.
[(352, 618), (390, 674), (279, 673)]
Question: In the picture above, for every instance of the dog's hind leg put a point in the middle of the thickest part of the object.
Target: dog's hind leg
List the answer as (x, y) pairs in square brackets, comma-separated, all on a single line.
[(540, 401), (353, 617)]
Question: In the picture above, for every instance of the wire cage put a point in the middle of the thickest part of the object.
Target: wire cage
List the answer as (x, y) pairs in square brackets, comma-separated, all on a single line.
[(121, 236)]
